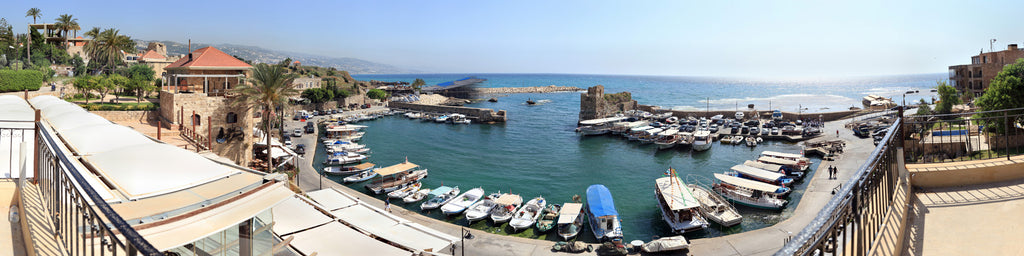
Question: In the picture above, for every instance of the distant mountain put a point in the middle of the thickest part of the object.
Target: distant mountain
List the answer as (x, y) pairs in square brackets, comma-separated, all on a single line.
[(262, 55)]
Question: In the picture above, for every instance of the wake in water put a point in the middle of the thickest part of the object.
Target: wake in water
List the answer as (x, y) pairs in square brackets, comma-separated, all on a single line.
[(538, 102)]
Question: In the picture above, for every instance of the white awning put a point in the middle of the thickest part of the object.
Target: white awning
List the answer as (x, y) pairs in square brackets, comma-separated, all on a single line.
[(757, 172), (332, 199), (338, 239), (297, 214), (99, 138), (569, 212), (782, 155), (154, 169), (72, 120), (43, 101), (392, 228), (750, 184), (675, 193), (60, 108)]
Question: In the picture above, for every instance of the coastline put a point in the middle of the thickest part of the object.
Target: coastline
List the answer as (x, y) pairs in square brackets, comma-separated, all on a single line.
[(532, 89)]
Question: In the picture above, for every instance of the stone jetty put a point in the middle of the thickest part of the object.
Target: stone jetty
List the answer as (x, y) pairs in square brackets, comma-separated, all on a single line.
[(534, 89)]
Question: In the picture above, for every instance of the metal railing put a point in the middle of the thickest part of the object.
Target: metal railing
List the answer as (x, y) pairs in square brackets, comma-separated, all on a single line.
[(83, 222), (964, 136), (851, 220)]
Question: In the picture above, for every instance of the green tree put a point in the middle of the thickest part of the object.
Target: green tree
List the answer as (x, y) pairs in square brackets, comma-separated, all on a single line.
[(92, 33), (65, 23), (318, 96), (85, 85), (923, 108), (1006, 91), (107, 47), (418, 83), (270, 87), (34, 13), (377, 94), (119, 83), (947, 98)]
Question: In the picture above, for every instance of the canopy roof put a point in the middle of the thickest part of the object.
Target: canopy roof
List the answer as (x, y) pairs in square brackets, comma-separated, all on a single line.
[(392, 228), (776, 160), (599, 200), (297, 214), (405, 166), (783, 155), (569, 212), (324, 241), (43, 101), (98, 138), (332, 199), (755, 185), (509, 199), (675, 193), (363, 166), (603, 120), (67, 121), (757, 173), (440, 190), (153, 169), (57, 109), (766, 166)]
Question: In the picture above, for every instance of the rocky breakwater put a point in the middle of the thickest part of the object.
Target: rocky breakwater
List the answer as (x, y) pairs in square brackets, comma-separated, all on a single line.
[(534, 89), (596, 104)]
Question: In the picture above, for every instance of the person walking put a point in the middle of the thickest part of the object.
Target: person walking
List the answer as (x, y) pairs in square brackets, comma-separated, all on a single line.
[(387, 205)]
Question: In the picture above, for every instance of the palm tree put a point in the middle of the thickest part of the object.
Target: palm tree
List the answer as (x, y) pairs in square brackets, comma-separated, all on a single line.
[(270, 87), (64, 23), (109, 47), (34, 13), (93, 33)]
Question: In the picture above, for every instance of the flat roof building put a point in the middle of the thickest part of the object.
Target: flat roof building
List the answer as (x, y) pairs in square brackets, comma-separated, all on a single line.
[(974, 78)]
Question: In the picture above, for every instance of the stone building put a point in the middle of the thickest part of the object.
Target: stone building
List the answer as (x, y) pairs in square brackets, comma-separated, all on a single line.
[(974, 78), (155, 57), (309, 82), (196, 98), (596, 104)]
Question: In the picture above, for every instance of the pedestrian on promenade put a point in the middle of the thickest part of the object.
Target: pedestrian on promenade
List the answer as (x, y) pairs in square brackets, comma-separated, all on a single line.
[(387, 205), (837, 133)]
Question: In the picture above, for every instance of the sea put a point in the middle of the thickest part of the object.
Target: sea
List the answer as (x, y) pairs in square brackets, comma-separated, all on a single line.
[(538, 153)]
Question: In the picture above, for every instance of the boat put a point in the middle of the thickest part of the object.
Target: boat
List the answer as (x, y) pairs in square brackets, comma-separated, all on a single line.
[(458, 119), (362, 176), (635, 133), (751, 141), (439, 196), (441, 119), (348, 170), (459, 204), (801, 162), (548, 218), (668, 139), (406, 191), (604, 219), (416, 197), (749, 193), (570, 220), (775, 168), (739, 115), (492, 100), (507, 205), (672, 120), (481, 209), (592, 130), (679, 209), (396, 177), (650, 135), (686, 139), (701, 140), (663, 244), (714, 207), (342, 158), (527, 215), (762, 175), (530, 101)]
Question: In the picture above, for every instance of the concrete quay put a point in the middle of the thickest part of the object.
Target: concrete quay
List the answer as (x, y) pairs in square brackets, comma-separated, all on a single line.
[(763, 241)]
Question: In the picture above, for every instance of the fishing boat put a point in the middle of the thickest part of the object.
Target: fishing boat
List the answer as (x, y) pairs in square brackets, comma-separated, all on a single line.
[(441, 119), (679, 209), (802, 163), (362, 176), (481, 209), (701, 141), (459, 204), (604, 219), (635, 133), (668, 139), (396, 177), (342, 158), (685, 140), (507, 205), (439, 196), (406, 191), (775, 168), (794, 165), (548, 218), (416, 197), (530, 101), (348, 170), (714, 207), (592, 130), (762, 175), (344, 132), (527, 215), (749, 193), (570, 220), (650, 135), (751, 141)]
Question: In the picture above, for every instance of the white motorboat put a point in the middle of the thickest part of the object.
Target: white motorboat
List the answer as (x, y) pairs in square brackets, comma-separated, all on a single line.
[(441, 119), (668, 139), (679, 209), (570, 220), (406, 191), (341, 158), (439, 196), (736, 140), (751, 141), (715, 208), (739, 115), (458, 119), (801, 162), (650, 135), (758, 174), (481, 209), (362, 176), (527, 215), (604, 219), (592, 130), (348, 170), (507, 205), (749, 193), (775, 168), (459, 204), (416, 197), (701, 140)]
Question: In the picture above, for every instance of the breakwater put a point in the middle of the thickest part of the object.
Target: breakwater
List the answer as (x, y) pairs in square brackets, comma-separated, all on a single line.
[(765, 114), (478, 115), (533, 89)]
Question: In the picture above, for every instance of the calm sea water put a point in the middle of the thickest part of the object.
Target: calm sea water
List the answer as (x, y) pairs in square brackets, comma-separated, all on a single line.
[(537, 153)]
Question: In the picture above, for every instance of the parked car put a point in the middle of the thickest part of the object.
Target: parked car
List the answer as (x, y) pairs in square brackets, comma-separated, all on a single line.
[(300, 149), (287, 141), (296, 118), (297, 132)]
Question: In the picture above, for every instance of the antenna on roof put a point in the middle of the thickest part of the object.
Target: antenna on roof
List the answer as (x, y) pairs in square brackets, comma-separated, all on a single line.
[(990, 42)]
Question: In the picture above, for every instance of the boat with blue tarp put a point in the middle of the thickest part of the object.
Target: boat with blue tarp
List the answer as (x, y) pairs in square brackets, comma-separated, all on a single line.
[(604, 219)]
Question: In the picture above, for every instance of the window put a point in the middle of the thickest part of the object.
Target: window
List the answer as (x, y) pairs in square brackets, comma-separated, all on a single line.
[(196, 120), (232, 118)]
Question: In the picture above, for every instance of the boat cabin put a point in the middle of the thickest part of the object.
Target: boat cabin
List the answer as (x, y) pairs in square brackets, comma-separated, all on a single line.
[(679, 208), (604, 219), (394, 175)]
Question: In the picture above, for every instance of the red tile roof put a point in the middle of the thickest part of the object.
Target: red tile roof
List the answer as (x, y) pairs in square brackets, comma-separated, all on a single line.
[(209, 57), (151, 54)]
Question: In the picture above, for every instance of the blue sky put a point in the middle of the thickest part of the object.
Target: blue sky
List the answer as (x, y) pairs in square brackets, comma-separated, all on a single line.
[(785, 39)]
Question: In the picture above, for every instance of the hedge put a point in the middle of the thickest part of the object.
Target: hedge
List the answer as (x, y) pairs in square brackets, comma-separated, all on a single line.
[(20, 80), (120, 107)]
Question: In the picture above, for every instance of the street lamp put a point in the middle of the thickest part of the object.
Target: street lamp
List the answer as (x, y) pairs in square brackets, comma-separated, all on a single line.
[(465, 235)]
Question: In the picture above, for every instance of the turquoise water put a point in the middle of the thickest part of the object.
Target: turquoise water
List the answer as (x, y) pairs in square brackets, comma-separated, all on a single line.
[(537, 153)]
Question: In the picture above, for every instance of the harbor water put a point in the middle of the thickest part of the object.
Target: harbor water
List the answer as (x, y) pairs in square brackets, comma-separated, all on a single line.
[(537, 152)]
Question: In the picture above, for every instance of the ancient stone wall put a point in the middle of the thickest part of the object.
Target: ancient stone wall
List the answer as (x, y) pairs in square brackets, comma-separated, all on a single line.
[(208, 115), (482, 115), (596, 104), (137, 116)]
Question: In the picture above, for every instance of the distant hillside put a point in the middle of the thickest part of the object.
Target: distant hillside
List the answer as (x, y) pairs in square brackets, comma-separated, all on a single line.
[(262, 55)]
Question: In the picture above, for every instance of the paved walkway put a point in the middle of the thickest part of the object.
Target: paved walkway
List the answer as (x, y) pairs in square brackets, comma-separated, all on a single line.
[(758, 242), (970, 220)]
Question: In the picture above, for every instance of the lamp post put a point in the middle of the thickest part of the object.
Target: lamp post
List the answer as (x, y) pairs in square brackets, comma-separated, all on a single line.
[(465, 235)]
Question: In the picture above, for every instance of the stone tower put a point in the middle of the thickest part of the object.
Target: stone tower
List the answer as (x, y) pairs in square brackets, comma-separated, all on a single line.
[(595, 104), (158, 47)]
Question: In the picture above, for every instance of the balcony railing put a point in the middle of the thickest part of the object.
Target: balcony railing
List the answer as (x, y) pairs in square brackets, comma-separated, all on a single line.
[(851, 220), (84, 223), (964, 136)]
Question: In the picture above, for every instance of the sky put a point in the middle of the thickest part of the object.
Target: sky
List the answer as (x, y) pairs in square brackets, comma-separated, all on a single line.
[(783, 39)]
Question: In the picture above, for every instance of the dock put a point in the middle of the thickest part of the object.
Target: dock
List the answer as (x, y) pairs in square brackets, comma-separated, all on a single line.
[(478, 115)]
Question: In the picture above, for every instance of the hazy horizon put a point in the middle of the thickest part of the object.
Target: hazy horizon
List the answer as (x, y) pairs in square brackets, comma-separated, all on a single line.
[(746, 39)]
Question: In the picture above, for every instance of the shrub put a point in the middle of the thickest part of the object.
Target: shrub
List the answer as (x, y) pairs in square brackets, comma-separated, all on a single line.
[(20, 80)]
